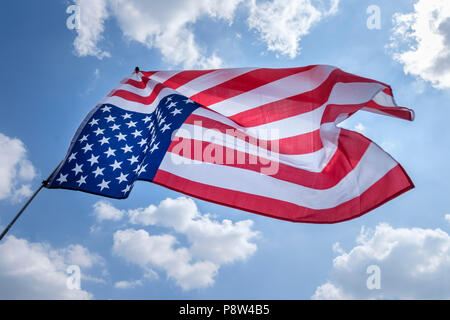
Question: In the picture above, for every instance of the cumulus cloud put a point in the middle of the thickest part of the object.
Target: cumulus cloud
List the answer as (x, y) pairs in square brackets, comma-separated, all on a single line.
[(166, 26), (421, 41), (103, 210), (139, 247), (37, 271), (79, 255), (413, 264), (169, 26), (212, 243), (16, 171), (92, 15), (282, 24)]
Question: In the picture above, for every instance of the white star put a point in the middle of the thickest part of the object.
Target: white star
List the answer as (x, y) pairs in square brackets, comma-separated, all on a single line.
[(153, 139), (168, 99), (188, 101), (87, 147), (110, 152), (77, 168), (84, 138), (93, 122), (131, 124), (172, 104), (93, 159), (147, 119), (142, 169), (150, 125), (175, 111), (115, 127), (98, 171), (116, 165), (145, 149), (62, 178), (127, 188), (162, 121), (82, 180), (126, 116), (127, 148), (155, 147), (158, 114), (110, 118), (103, 185), (142, 142), (137, 168), (166, 127), (99, 131), (72, 156), (106, 109), (133, 159), (104, 140), (121, 136), (136, 133), (122, 178)]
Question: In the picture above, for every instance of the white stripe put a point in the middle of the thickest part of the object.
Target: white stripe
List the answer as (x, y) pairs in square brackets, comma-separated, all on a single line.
[(341, 94), (384, 100), (140, 92), (373, 166), (162, 76), (313, 162), (210, 80), (137, 106), (277, 90)]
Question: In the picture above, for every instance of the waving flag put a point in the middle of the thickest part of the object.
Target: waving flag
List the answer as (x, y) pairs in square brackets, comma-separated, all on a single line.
[(256, 139)]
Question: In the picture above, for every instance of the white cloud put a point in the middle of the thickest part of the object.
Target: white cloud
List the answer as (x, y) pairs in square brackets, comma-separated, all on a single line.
[(360, 127), (283, 23), (421, 41), (92, 15), (166, 26), (79, 255), (37, 271), (139, 247), (413, 264), (128, 284), (169, 26), (16, 171), (447, 217), (220, 242), (211, 243), (103, 210)]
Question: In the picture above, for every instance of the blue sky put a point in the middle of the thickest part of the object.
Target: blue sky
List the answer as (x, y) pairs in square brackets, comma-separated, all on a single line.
[(49, 82)]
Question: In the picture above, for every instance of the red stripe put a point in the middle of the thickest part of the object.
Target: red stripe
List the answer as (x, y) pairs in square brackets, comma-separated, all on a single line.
[(398, 112), (148, 74), (137, 98), (394, 183), (184, 77), (243, 83), (300, 144), (295, 105), (351, 148), (138, 84), (332, 112)]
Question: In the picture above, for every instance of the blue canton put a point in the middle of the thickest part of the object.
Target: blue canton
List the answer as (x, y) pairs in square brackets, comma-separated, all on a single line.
[(113, 147)]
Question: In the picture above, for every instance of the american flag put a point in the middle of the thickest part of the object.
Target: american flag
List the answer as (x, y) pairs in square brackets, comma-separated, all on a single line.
[(261, 140)]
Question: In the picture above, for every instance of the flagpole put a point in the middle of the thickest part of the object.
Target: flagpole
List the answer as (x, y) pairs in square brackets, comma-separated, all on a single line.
[(43, 184)]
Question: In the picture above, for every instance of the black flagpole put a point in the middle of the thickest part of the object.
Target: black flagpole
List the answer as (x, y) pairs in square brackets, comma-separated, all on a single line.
[(21, 210), (43, 184)]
